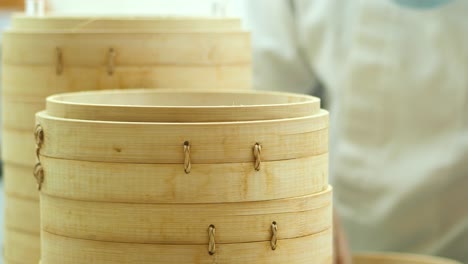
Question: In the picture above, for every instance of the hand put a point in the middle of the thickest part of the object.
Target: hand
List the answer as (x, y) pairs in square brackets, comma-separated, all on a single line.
[(341, 251)]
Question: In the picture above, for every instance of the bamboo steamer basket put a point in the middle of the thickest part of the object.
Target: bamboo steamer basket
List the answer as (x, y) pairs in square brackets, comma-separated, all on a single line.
[(54, 62), (100, 53), (109, 23), (399, 258), (309, 249), (159, 176), (186, 224)]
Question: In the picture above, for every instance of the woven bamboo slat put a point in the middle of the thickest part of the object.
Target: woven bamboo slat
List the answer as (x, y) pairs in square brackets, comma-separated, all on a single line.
[(310, 249), (398, 258)]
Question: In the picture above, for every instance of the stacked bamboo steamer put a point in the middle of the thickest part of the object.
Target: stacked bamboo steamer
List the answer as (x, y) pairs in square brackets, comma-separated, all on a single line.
[(44, 56), (157, 176)]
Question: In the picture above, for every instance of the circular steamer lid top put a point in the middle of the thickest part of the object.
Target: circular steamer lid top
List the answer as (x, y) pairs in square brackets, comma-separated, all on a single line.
[(160, 105), (123, 23)]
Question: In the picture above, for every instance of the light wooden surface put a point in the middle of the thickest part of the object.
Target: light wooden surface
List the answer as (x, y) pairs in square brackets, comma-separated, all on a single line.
[(21, 247), (161, 105), (315, 249), (217, 59), (19, 182), (90, 49), (123, 23), (19, 114), (398, 258), (186, 223), (163, 142), (168, 183), (37, 82), (22, 214)]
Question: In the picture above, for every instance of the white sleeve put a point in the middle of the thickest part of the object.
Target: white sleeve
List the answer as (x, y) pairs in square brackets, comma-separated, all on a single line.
[(278, 62)]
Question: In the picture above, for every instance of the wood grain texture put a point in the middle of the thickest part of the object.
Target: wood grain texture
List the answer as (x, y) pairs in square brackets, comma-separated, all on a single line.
[(18, 147), (311, 249), (22, 214), (20, 114), (41, 81), (398, 258), (19, 182), (168, 183), (163, 105), (186, 223), (116, 23), (163, 142), (91, 49), (21, 247)]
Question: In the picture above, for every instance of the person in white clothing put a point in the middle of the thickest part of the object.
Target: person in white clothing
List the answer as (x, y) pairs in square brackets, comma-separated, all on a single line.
[(394, 75)]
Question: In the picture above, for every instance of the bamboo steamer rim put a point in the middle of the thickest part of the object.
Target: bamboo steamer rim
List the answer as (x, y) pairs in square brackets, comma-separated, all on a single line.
[(210, 142), (186, 223), (399, 258), (115, 22), (163, 105)]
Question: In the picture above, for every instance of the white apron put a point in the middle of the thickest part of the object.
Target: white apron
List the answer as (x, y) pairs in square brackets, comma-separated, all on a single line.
[(397, 82)]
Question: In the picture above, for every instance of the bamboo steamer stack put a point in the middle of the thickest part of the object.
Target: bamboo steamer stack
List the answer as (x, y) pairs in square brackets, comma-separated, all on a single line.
[(164, 176), (44, 56)]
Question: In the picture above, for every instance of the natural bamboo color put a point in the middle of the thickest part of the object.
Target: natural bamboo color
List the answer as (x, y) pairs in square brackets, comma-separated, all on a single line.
[(18, 182), (398, 258), (112, 23), (133, 48), (162, 142), (21, 247), (186, 223), (21, 214), (309, 249), (46, 82), (79, 53), (181, 106), (168, 183)]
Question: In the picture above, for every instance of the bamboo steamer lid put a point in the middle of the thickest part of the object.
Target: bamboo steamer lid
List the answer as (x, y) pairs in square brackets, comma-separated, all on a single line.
[(310, 249), (399, 258), (123, 23), (186, 223)]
